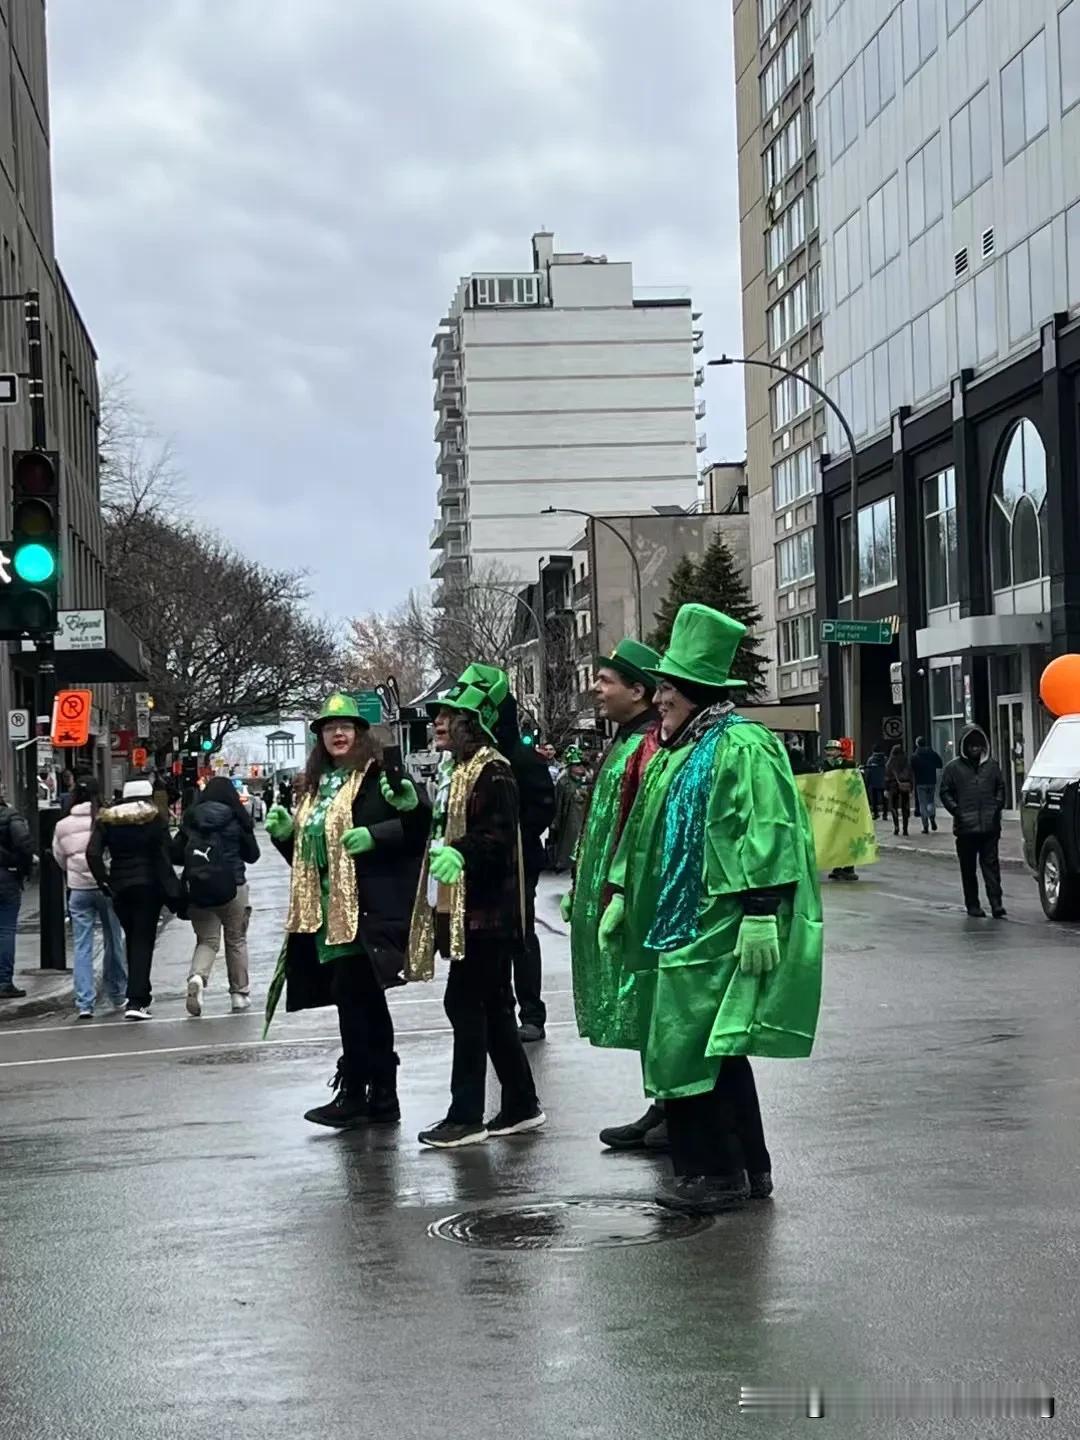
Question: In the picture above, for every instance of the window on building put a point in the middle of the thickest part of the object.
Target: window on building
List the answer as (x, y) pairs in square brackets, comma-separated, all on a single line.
[(811, 206), (1024, 113), (847, 252), (877, 547), (1029, 281), (946, 706), (786, 235), (939, 533), (957, 11), (798, 639), (785, 152), (506, 290), (924, 187), (769, 12), (918, 21), (976, 322), (1072, 247), (788, 316), (1017, 513), (815, 292), (969, 145), (795, 558), (930, 355), (883, 223), (790, 398), (793, 477), (1068, 51), (781, 72), (879, 69), (843, 106), (811, 122)]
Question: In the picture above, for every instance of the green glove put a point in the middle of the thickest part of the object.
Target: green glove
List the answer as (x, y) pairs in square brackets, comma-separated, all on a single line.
[(405, 800), (279, 823), (358, 841), (566, 906), (758, 947), (611, 923), (447, 865)]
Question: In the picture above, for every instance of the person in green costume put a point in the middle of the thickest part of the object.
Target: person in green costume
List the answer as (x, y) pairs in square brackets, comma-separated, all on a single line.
[(623, 690), (834, 758), (355, 847), (571, 801), (715, 920)]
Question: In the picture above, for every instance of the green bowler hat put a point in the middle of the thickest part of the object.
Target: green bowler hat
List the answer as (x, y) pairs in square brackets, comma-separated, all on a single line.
[(633, 661), (340, 707), (480, 690), (702, 646)]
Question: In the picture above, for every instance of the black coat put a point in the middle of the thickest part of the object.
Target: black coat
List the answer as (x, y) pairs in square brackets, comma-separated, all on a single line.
[(489, 847), (232, 830), (16, 853), (535, 789), (137, 841), (386, 879), (974, 795)]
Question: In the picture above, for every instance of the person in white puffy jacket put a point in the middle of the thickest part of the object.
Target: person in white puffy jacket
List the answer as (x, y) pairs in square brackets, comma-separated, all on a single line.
[(86, 902)]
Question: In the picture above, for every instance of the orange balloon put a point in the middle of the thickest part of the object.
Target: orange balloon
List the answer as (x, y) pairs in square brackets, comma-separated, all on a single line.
[(1059, 688)]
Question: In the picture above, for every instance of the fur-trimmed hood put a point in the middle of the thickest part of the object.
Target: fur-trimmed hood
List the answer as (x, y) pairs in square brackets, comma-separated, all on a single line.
[(130, 812)]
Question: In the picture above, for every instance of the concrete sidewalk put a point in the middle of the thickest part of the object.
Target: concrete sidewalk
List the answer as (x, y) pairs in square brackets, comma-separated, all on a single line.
[(940, 845)]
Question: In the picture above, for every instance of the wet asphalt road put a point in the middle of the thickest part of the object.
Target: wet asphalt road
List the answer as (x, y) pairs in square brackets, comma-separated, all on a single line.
[(181, 1255)]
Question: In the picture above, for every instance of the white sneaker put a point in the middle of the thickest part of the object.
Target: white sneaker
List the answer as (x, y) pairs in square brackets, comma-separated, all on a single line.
[(138, 1012), (194, 995), (240, 1003)]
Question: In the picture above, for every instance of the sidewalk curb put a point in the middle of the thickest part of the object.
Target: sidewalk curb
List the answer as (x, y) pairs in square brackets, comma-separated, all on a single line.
[(929, 852)]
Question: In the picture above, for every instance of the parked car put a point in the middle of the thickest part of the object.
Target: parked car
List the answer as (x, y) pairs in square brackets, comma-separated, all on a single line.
[(1050, 819)]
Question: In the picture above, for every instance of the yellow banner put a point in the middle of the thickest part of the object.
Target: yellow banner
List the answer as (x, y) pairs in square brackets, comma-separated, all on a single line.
[(839, 817)]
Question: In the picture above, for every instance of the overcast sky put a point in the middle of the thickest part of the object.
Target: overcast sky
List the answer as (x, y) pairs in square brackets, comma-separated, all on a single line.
[(264, 206)]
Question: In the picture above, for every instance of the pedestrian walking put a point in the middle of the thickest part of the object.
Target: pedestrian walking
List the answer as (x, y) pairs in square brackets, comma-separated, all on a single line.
[(138, 878), (623, 689), (354, 846), (16, 865), (718, 938), (899, 785), (536, 805), (926, 765), (874, 773), (469, 908), (571, 800), (87, 905), (214, 844), (833, 758), (973, 792)]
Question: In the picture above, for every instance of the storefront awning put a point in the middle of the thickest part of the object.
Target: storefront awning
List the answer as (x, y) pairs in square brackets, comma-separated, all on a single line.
[(805, 719), (982, 632), (93, 647)]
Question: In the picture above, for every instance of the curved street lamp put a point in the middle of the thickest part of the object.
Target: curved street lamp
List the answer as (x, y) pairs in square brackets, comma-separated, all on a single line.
[(599, 520), (853, 469)]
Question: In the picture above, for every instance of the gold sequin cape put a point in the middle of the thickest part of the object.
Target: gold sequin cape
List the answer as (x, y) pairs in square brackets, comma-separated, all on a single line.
[(305, 890)]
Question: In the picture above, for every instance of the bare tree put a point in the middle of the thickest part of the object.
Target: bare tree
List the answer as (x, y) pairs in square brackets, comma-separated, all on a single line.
[(380, 645), (475, 621), (140, 479)]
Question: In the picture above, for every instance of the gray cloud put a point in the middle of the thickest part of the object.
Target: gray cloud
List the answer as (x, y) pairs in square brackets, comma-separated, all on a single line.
[(263, 209)]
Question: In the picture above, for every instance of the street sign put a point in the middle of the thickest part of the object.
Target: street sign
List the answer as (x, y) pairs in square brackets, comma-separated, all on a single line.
[(121, 743), (142, 699), (18, 724), (857, 632), (892, 727), (9, 388), (369, 705), (80, 630), (139, 758), (44, 753), (897, 694), (71, 717), (142, 723)]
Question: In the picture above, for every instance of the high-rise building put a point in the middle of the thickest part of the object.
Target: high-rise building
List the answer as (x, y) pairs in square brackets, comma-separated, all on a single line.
[(781, 284), (950, 223), (559, 386)]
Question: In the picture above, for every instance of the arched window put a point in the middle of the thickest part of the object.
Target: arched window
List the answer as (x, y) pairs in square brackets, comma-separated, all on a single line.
[(1017, 513)]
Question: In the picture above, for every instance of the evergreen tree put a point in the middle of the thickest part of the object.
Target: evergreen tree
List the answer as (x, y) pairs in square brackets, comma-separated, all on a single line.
[(682, 589), (715, 581)]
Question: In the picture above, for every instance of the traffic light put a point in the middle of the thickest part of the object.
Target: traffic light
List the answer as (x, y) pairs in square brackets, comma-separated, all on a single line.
[(205, 744), (31, 600)]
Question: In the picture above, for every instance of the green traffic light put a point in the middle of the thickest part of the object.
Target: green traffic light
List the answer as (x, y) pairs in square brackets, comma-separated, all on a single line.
[(34, 563), (206, 744)]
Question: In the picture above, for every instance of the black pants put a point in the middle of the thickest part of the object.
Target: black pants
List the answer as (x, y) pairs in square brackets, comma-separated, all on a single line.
[(138, 911), (980, 850), (719, 1132), (900, 804), (531, 1007), (367, 1031), (480, 1006), (878, 803)]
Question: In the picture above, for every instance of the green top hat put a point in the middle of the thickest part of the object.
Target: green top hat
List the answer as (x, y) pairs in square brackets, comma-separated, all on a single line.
[(702, 646), (479, 689), (633, 661), (340, 707), (573, 756)]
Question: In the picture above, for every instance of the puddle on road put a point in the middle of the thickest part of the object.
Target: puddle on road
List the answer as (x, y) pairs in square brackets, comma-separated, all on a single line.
[(576, 1224)]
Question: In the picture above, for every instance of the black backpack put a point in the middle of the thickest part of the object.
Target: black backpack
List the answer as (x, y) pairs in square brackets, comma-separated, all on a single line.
[(209, 877)]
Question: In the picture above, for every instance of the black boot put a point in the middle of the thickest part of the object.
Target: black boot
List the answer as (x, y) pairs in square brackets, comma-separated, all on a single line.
[(383, 1107), (345, 1109), (633, 1136)]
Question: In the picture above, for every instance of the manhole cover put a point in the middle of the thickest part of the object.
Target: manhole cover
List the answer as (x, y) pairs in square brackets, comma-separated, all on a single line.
[(568, 1225)]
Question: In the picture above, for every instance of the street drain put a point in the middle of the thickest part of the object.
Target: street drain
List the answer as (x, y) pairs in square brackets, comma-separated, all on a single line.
[(568, 1225)]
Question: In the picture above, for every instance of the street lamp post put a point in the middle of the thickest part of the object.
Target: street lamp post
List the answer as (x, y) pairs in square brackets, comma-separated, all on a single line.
[(599, 520), (853, 471), (541, 644)]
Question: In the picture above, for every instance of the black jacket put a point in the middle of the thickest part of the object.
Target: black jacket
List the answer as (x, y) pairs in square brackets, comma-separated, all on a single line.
[(535, 790), (137, 840), (386, 878), (489, 845), (974, 795), (234, 833), (925, 764), (16, 853)]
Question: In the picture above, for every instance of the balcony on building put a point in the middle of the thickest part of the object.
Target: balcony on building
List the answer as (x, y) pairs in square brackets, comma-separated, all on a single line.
[(699, 341), (699, 376), (449, 524), (451, 460), (453, 484), (447, 352), (448, 424), (451, 563), (448, 387), (487, 291), (702, 442), (699, 410)]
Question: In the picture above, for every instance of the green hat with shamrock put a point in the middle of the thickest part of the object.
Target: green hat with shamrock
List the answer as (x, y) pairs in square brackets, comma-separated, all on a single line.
[(479, 690), (702, 646), (340, 706), (573, 756)]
